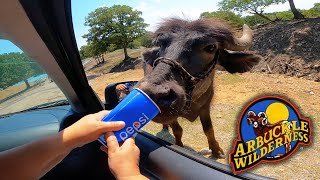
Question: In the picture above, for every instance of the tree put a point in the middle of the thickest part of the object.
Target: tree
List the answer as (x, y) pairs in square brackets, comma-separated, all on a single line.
[(255, 7), (118, 25), (225, 15), (296, 13), (284, 15), (84, 52), (145, 41), (313, 12), (254, 20), (95, 50), (16, 67)]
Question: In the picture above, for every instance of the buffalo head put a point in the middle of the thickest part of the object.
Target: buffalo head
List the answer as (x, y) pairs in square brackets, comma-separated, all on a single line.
[(180, 69)]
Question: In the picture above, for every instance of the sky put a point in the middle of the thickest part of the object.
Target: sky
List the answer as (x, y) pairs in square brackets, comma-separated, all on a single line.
[(153, 11)]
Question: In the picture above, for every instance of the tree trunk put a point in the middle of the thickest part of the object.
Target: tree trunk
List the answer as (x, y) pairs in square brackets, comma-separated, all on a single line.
[(296, 13), (126, 56), (27, 83), (102, 59), (264, 17)]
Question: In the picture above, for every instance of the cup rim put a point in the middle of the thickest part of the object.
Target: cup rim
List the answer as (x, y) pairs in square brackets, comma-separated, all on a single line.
[(148, 98)]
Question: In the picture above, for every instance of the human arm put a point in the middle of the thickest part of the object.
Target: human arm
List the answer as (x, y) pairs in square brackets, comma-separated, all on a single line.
[(33, 160), (123, 160)]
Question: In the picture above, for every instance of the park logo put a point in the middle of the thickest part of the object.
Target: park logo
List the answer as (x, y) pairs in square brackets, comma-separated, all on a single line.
[(270, 129)]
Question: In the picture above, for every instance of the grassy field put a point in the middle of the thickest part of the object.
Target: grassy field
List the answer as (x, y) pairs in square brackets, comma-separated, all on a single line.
[(232, 92)]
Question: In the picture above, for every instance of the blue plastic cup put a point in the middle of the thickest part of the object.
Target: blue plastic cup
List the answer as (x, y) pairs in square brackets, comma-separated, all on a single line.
[(136, 110)]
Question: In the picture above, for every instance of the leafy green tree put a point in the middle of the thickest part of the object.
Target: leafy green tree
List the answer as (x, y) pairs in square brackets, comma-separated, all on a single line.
[(145, 41), (254, 20), (313, 12), (118, 25), (112, 47), (255, 7), (284, 15), (84, 52), (16, 67), (95, 50), (135, 44), (225, 15)]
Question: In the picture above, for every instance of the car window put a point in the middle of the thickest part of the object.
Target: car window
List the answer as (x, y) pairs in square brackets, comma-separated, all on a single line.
[(23, 84)]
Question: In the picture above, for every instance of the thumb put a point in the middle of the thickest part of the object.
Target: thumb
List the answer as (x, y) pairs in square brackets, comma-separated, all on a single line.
[(111, 126)]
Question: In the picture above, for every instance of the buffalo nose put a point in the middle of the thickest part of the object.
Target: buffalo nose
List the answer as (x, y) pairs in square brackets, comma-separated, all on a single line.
[(161, 94)]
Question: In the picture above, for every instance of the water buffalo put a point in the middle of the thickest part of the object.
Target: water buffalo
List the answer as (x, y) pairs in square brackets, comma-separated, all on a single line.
[(178, 73)]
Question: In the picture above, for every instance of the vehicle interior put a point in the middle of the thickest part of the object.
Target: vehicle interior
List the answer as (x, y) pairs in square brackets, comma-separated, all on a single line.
[(44, 31)]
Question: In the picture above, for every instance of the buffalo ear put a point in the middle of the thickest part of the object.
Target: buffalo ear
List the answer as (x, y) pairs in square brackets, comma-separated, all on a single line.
[(234, 61)]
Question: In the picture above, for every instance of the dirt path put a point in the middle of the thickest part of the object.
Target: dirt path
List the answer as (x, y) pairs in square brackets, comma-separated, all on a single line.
[(231, 93)]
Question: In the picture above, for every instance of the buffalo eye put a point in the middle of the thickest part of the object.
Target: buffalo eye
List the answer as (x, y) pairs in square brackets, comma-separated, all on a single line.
[(210, 48), (163, 40)]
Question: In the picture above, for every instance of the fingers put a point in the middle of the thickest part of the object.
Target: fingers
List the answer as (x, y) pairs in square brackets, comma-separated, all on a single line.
[(128, 142), (112, 126), (100, 115), (112, 142), (122, 87), (109, 126)]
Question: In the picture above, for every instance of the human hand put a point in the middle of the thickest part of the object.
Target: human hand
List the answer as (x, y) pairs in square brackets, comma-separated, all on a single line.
[(121, 87), (123, 160), (90, 128)]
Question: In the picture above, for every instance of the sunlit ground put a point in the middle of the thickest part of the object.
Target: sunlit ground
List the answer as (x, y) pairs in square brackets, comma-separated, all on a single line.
[(232, 92)]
